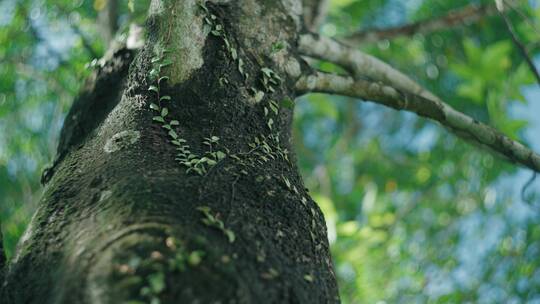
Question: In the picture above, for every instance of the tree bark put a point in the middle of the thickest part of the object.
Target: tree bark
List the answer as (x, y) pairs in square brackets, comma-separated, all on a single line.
[(122, 220)]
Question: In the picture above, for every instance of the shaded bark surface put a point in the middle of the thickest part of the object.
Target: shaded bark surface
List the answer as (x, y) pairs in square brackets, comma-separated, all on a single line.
[(120, 219)]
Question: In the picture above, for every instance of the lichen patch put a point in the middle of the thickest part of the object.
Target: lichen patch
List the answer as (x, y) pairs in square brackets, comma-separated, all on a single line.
[(183, 24), (121, 140)]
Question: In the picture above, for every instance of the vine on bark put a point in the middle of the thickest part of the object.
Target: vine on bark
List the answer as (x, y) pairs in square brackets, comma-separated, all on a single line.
[(193, 162), (213, 221)]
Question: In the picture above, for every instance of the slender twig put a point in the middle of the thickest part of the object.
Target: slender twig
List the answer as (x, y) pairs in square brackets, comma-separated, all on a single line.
[(519, 45), (377, 81), (108, 21), (527, 19), (315, 12), (456, 122), (465, 15), (526, 186)]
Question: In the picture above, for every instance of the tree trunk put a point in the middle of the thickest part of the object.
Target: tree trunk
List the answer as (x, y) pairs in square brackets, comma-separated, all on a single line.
[(183, 188)]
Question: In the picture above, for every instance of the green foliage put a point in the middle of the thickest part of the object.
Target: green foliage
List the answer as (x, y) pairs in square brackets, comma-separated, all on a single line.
[(414, 215), (150, 275), (408, 206)]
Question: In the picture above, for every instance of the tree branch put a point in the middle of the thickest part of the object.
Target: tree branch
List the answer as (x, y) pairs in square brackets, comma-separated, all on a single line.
[(456, 122), (359, 64), (520, 46), (108, 21), (314, 13), (465, 15)]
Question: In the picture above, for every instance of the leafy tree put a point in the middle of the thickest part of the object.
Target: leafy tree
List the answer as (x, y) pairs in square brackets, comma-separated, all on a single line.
[(176, 176)]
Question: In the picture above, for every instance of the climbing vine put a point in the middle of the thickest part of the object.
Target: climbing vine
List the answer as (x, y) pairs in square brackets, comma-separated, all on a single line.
[(194, 162), (184, 156), (213, 221)]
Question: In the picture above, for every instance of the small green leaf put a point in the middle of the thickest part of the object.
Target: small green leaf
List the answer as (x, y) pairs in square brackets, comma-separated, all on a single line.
[(259, 95), (145, 291), (164, 98), (174, 123), (164, 112), (287, 182), (163, 78), (173, 134), (241, 66), (165, 64), (268, 72), (154, 74), (201, 5), (157, 282), (204, 209), (195, 258), (131, 5), (230, 235), (154, 106), (277, 46), (153, 88), (220, 155), (158, 118), (270, 123), (274, 109)]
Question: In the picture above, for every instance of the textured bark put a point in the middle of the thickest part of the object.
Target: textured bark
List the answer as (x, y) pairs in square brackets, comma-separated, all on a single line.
[(118, 211)]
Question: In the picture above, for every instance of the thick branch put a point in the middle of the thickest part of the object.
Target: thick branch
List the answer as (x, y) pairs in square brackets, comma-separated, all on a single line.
[(458, 123), (465, 15), (359, 64), (108, 20), (314, 13)]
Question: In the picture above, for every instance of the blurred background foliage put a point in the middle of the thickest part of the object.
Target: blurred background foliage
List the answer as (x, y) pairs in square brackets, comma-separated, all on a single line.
[(413, 214)]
